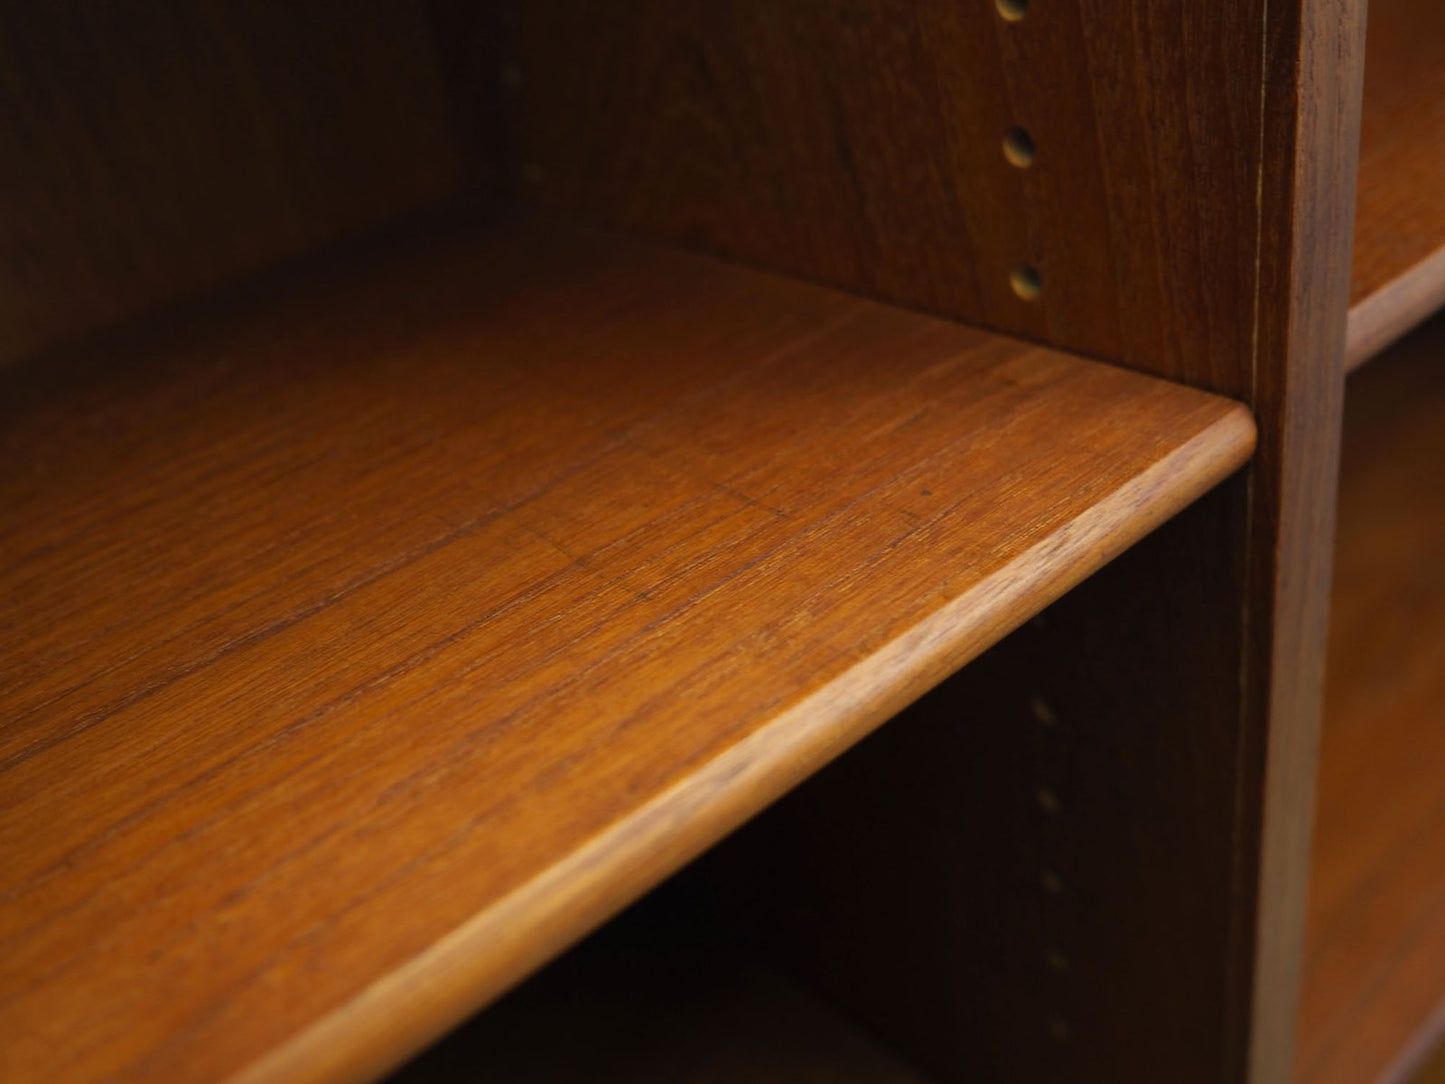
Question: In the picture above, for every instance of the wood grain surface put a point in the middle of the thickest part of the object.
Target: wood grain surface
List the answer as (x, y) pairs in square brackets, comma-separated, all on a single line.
[(376, 636), (1312, 79), (153, 150), (1399, 264), (861, 145), (1375, 954)]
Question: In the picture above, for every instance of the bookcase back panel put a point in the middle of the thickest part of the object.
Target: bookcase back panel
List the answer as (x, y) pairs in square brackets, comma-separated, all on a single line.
[(152, 150), (1079, 172)]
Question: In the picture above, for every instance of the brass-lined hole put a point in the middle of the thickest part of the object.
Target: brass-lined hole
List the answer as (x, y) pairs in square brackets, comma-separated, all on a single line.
[(1026, 282), (1048, 799), (1018, 147), (1012, 10)]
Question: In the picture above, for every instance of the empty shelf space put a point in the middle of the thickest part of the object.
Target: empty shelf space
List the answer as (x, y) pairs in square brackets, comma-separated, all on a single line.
[(1375, 945), (661, 995), (1398, 276), (376, 630)]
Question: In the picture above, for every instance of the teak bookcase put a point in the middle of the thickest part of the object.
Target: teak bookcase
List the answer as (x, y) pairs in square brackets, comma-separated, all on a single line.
[(751, 540)]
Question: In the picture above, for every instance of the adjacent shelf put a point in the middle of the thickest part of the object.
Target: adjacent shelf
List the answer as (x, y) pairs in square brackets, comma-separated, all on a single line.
[(1375, 946), (375, 632), (1398, 276)]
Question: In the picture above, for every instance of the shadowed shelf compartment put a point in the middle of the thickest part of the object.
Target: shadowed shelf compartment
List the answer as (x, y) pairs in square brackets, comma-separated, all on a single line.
[(379, 628), (1375, 945), (698, 1004)]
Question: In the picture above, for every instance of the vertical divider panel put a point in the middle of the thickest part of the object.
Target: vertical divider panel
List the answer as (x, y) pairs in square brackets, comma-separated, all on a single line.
[(1313, 90)]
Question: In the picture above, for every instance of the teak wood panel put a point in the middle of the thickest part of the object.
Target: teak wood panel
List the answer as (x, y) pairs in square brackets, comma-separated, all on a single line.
[(1312, 86), (861, 145), (153, 149), (1375, 953), (1399, 262), (376, 636)]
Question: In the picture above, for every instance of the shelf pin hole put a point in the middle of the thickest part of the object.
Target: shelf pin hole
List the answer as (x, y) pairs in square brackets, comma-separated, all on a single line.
[(1018, 147), (1026, 282), (1042, 711)]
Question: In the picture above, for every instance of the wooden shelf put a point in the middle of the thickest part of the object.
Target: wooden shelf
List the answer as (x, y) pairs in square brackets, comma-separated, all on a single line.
[(1375, 946), (661, 996), (1398, 275), (376, 632)]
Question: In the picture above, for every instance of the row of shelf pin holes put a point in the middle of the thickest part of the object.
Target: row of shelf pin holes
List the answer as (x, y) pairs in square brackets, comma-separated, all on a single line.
[(1057, 1025), (1052, 883), (1019, 151)]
